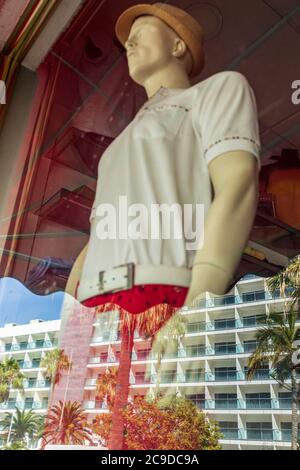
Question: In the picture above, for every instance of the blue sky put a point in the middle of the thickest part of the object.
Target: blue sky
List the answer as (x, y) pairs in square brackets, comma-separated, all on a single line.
[(19, 305)]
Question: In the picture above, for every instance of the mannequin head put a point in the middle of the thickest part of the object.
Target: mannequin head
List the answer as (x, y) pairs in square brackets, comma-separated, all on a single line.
[(157, 56)]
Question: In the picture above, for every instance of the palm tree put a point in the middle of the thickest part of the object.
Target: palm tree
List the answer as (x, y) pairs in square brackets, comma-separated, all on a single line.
[(106, 385), (167, 340), (276, 342), (55, 362), (293, 272), (10, 377), (23, 426), (15, 446), (71, 429)]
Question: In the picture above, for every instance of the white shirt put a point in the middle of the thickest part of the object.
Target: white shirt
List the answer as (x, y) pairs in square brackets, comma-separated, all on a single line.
[(162, 156)]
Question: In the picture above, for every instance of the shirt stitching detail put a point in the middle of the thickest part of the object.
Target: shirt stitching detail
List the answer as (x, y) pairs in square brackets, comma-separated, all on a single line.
[(231, 138)]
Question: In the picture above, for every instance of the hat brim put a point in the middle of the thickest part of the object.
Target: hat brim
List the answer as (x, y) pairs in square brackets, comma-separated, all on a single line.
[(127, 18)]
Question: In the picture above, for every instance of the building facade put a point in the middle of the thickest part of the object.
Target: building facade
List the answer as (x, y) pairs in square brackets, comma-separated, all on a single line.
[(28, 344)]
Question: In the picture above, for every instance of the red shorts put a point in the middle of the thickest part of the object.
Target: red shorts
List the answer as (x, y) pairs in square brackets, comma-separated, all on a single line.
[(142, 297)]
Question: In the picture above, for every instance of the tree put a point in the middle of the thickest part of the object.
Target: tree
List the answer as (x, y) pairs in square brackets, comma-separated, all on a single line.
[(167, 340), (15, 446), (24, 426), (106, 386), (71, 429), (277, 340), (147, 323), (163, 423), (10, 377)]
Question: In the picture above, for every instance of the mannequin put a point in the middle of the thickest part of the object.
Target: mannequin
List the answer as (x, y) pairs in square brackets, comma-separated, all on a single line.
[(160, 158), (231, 215)]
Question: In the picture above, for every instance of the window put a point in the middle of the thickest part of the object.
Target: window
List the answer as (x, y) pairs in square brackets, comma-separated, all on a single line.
[(250, 346), (225, 400), (225, 323), (39, 343), (142, 354), (193, 375), (28, 403), (286, 431), (285, 400), (260, 374), (225, 373), (229, 429), (198, 399), (225, 348), (254, 320), (258, 400), (260, 431)]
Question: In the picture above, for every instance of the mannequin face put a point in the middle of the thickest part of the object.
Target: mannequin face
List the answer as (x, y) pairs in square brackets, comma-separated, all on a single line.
[(152, 48)]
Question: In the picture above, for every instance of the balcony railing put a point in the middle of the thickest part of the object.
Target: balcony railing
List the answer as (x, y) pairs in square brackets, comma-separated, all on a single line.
[(257, 434), (9, 347), (109, 337), (218, 404), (29, 365), (226, 324), (201, 377), (256, 296), (37, 384), (202, 327), (234, 403), (93, 405)]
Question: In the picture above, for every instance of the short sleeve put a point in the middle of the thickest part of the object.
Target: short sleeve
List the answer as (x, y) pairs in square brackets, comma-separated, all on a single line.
[(225, 114)]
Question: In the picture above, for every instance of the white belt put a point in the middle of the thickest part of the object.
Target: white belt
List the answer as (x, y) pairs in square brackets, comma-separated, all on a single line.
[(126, 276)]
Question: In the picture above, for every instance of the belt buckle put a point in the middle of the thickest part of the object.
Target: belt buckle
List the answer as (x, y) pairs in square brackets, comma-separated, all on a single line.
[(129, 275)]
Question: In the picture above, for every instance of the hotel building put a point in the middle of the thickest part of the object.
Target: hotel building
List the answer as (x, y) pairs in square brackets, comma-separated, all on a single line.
[(209, 366)]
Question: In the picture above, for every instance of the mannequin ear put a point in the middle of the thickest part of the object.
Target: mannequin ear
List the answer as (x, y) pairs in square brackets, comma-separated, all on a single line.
[(180, 50)]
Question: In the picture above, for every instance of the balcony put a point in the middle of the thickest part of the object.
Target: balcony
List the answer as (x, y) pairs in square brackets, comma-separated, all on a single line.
[(257, 434), (34, 364), (109, 336), (94, 405), (256, 296), (226, 324), (240, 404), (201, 377), (263, 374), (37, 383), (217, 350), (23, 405), (254, 321), (247, 277)]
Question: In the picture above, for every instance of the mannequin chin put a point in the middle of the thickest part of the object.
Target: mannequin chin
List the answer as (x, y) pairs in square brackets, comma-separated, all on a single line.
[(157, 56)]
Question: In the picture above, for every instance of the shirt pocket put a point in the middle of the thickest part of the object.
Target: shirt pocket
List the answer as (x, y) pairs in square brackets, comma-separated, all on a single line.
[(162, 121)]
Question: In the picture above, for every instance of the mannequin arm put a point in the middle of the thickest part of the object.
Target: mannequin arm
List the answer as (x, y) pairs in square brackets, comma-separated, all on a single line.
[(75, 273), (228, 224)]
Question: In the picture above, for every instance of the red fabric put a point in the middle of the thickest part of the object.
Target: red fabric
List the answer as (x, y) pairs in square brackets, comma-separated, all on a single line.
[(140, 298)]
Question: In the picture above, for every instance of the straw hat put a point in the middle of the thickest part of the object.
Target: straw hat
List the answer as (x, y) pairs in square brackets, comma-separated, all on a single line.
[(181, 22)]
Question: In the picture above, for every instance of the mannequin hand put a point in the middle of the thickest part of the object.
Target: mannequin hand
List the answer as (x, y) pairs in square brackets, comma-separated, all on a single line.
[(193, 297), (206, 278)]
